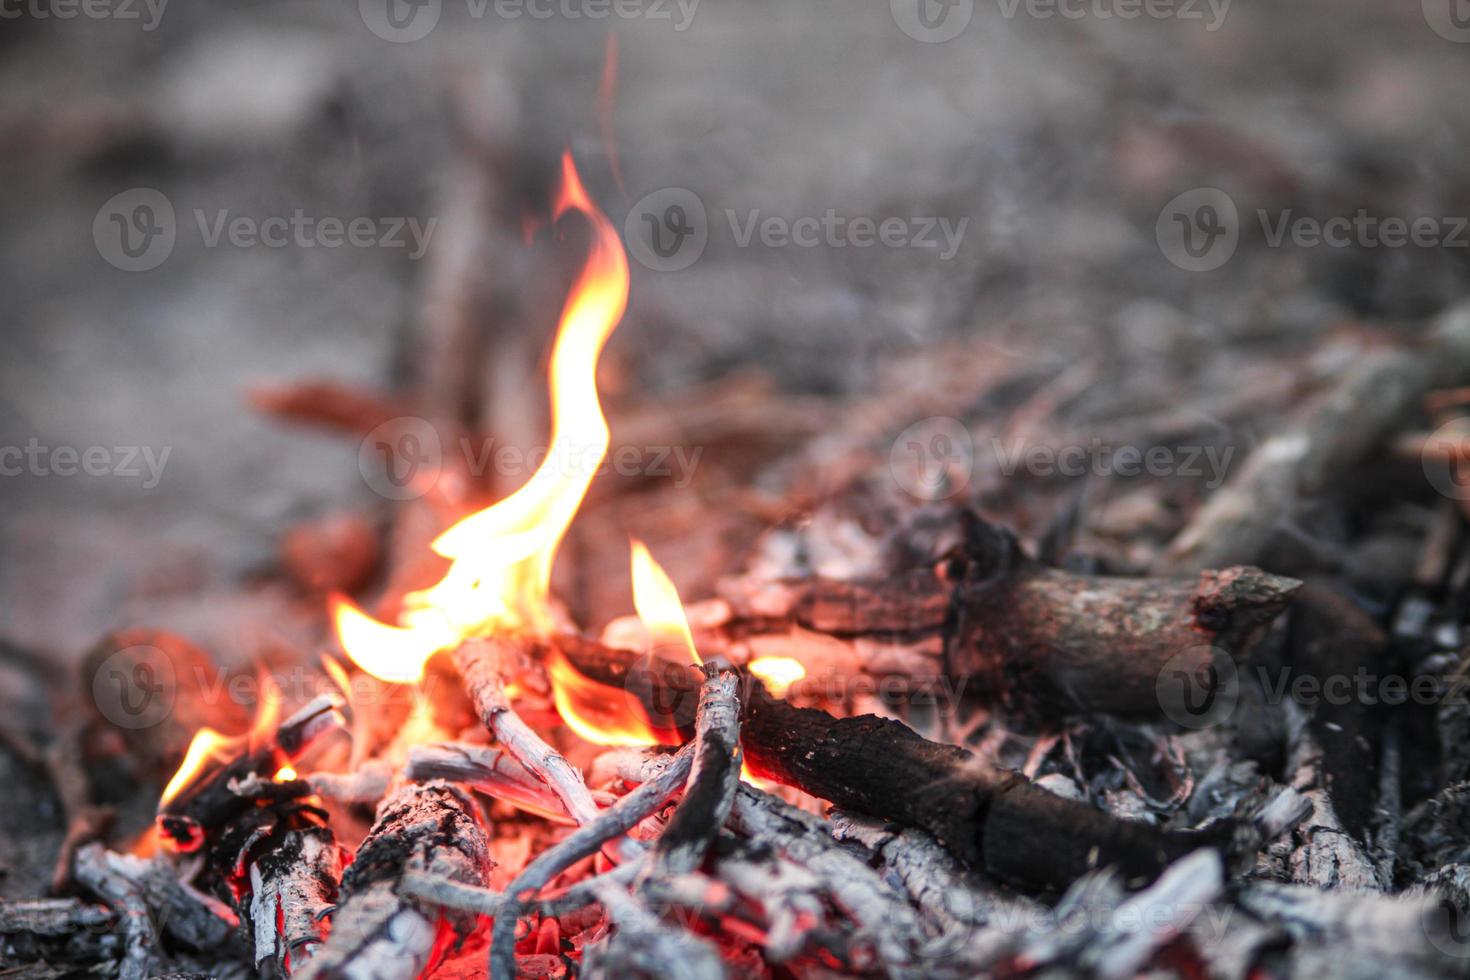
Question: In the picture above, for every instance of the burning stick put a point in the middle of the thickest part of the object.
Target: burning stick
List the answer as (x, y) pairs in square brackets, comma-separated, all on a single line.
[(987, 817), (201, 800), (481, 663), (614, 822), (643, 944), (1032, 638), (713, 778), (381, 932), (490, 771)]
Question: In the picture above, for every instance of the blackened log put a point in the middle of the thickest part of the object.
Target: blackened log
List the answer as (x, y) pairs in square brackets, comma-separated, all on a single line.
[(211, 801), (988, 818), (1033, 639)]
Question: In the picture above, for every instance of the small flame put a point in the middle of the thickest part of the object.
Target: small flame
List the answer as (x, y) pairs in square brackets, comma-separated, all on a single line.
[(284, 774), (208, 747), (500, 576), (599, 713), (658, 605), (777, 673), (606, 715)]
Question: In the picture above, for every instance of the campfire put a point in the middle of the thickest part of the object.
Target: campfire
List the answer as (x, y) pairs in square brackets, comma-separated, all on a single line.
[(471, 783)]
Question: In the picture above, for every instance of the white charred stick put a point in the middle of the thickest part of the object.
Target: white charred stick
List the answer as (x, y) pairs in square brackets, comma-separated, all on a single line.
[(481, 664), (381, 932), (614, 822), (125, 897)]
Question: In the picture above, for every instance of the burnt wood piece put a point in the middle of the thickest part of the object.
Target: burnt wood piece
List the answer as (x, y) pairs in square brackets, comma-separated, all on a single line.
[(140, 952), (209, 803), (583, 842), (713, 778), (1336, 644), (1033, 639), (483, 665), (292, 886), (380, 931), (989, 818)]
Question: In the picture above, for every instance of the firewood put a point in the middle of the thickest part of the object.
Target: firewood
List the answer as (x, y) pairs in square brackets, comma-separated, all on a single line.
[(1036, 640), (987, 817), (140, 937), (482, 664), (381, 932), (210, 801)]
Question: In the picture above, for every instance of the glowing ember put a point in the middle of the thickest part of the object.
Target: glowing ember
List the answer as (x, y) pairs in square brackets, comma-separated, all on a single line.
[(284, 774), (777, 673), (502, 556)]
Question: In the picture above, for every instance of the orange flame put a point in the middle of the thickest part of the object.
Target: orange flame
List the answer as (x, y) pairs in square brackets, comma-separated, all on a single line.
[(658, 605), (209, 747), (607, 715), (500, 576)]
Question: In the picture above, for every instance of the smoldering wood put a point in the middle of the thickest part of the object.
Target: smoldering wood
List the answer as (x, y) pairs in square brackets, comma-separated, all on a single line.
[(991, 819), (293, 887), (194, 919), (140, 949), (482, 664), (713, 778), (492, 771), (209, 802), (644, 946), (378, 930), (1035, 640)]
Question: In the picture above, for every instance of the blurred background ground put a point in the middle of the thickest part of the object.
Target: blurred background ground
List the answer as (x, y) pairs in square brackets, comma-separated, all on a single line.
[(1060, 141)]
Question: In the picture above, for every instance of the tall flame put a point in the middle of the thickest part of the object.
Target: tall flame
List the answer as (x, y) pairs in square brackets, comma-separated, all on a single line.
[(500, 576)]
